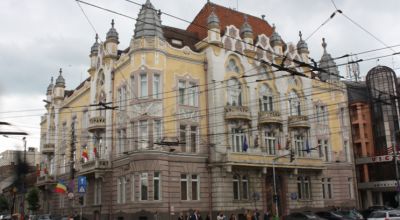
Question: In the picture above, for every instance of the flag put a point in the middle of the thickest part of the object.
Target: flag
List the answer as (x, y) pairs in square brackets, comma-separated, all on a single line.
[(279, 145), (37, 170), (71, 185), (308, 149), (95, 151), (60, 187), (45, 169), (245, 146), (85, 154)]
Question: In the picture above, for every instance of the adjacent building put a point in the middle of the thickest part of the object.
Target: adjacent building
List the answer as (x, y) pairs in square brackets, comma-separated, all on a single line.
[(374, 113), (197, 119)]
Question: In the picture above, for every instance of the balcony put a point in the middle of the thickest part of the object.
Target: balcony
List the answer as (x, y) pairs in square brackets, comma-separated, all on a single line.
[(298, 121), (48, 148), (237, 112), (97, 167), (97, 123), (259, 160), (269, 117), (45, 180)]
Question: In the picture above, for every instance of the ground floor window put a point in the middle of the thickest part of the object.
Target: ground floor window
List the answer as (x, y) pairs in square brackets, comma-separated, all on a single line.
[(304, 187)]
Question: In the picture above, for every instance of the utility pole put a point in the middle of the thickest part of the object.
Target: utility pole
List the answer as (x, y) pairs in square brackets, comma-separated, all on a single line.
[(72, 163)]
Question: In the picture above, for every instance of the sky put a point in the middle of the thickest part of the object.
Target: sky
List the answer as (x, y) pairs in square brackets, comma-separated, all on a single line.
[(40, 37)]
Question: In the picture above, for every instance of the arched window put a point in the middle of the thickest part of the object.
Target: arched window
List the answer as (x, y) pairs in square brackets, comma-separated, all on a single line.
[(232, 66), (266, 99), (294, 104), (234, 92)]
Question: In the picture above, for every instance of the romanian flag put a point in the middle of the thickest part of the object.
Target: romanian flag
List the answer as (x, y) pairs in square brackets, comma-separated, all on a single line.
[(60, 187), (85, 154)]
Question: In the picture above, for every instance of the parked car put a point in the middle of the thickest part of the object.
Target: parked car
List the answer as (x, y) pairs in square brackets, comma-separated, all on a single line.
[(45, 217), (350, 214), (302, 216), (371, 209), (330, 215), (385, 215)]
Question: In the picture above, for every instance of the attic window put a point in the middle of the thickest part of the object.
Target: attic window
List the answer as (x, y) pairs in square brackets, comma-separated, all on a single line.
[(176, 42)]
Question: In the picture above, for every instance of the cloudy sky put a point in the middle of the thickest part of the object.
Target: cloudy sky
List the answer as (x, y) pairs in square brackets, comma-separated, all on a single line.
[(39, 37)]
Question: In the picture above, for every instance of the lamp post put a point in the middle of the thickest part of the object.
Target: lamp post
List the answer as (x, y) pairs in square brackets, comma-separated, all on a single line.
[(275, 194)]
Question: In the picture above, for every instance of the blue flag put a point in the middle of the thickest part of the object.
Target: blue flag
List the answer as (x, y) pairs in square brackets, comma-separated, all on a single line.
[(245, 145), (308, 149)]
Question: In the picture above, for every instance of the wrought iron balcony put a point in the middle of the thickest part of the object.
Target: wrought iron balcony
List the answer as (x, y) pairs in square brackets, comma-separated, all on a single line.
[(97, 123), (96, 167), (237, 112), (48, 148), (298, 121), (269, 117), (45, 180)]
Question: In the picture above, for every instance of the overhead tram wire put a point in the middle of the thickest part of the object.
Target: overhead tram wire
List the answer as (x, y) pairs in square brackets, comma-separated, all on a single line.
[(279, 67), (324, 23), (362, 28), (310, 116)]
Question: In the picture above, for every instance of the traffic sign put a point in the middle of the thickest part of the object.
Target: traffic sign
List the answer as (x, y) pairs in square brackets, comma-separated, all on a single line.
[(81, 189), (82, 181)]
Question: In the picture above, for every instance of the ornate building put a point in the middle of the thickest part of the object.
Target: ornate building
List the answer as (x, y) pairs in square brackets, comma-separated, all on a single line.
[(194, 119)]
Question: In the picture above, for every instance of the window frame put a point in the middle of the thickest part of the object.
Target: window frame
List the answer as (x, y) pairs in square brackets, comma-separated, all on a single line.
[(144, 87), (157, 86), (144, 178), (157, 185)]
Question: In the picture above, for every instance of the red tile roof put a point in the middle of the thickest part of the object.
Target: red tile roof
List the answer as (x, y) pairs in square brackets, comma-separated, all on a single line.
[(226, 17)]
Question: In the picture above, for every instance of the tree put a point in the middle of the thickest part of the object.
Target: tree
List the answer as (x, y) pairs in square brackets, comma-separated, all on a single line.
[(4, 205), (33, 199)]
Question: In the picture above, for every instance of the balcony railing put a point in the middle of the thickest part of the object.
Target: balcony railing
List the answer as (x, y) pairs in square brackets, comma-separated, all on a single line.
[(45, 179), (97, 123), (48, 148), (93, 166), (257, 159), (298, 121), (237, 112), (269, 117)]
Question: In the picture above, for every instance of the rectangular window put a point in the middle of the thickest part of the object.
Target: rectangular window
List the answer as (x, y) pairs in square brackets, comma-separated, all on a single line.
[(237, 138), (192, 94), (270, 142), (193, 139), (133, 137), (121, 141), (245, 186), (326, 150), (133, 187), (195, 187), (133, 94), (85, 120), (320, 149), (143, 135), (156, 186), (157, 131), (351, 188), (119, 190), (346, 151), (304, 188), (143, 186), (182, 92), (121, 182), (299, 144), (267, 104), (97, 192), (326, 188), (236, 187), (184, 187), (182, 137), (143, 86), (156, 86)]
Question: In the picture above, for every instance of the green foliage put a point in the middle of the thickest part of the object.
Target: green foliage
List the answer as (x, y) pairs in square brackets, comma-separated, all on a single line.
[(33, 199), (4, 205)]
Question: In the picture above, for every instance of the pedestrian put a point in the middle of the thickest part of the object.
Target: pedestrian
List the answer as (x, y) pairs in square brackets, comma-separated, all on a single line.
[(233, 217), (266, 215), (208, 217), (181, 217), (248, 215), (155, 216), (220, 216)]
